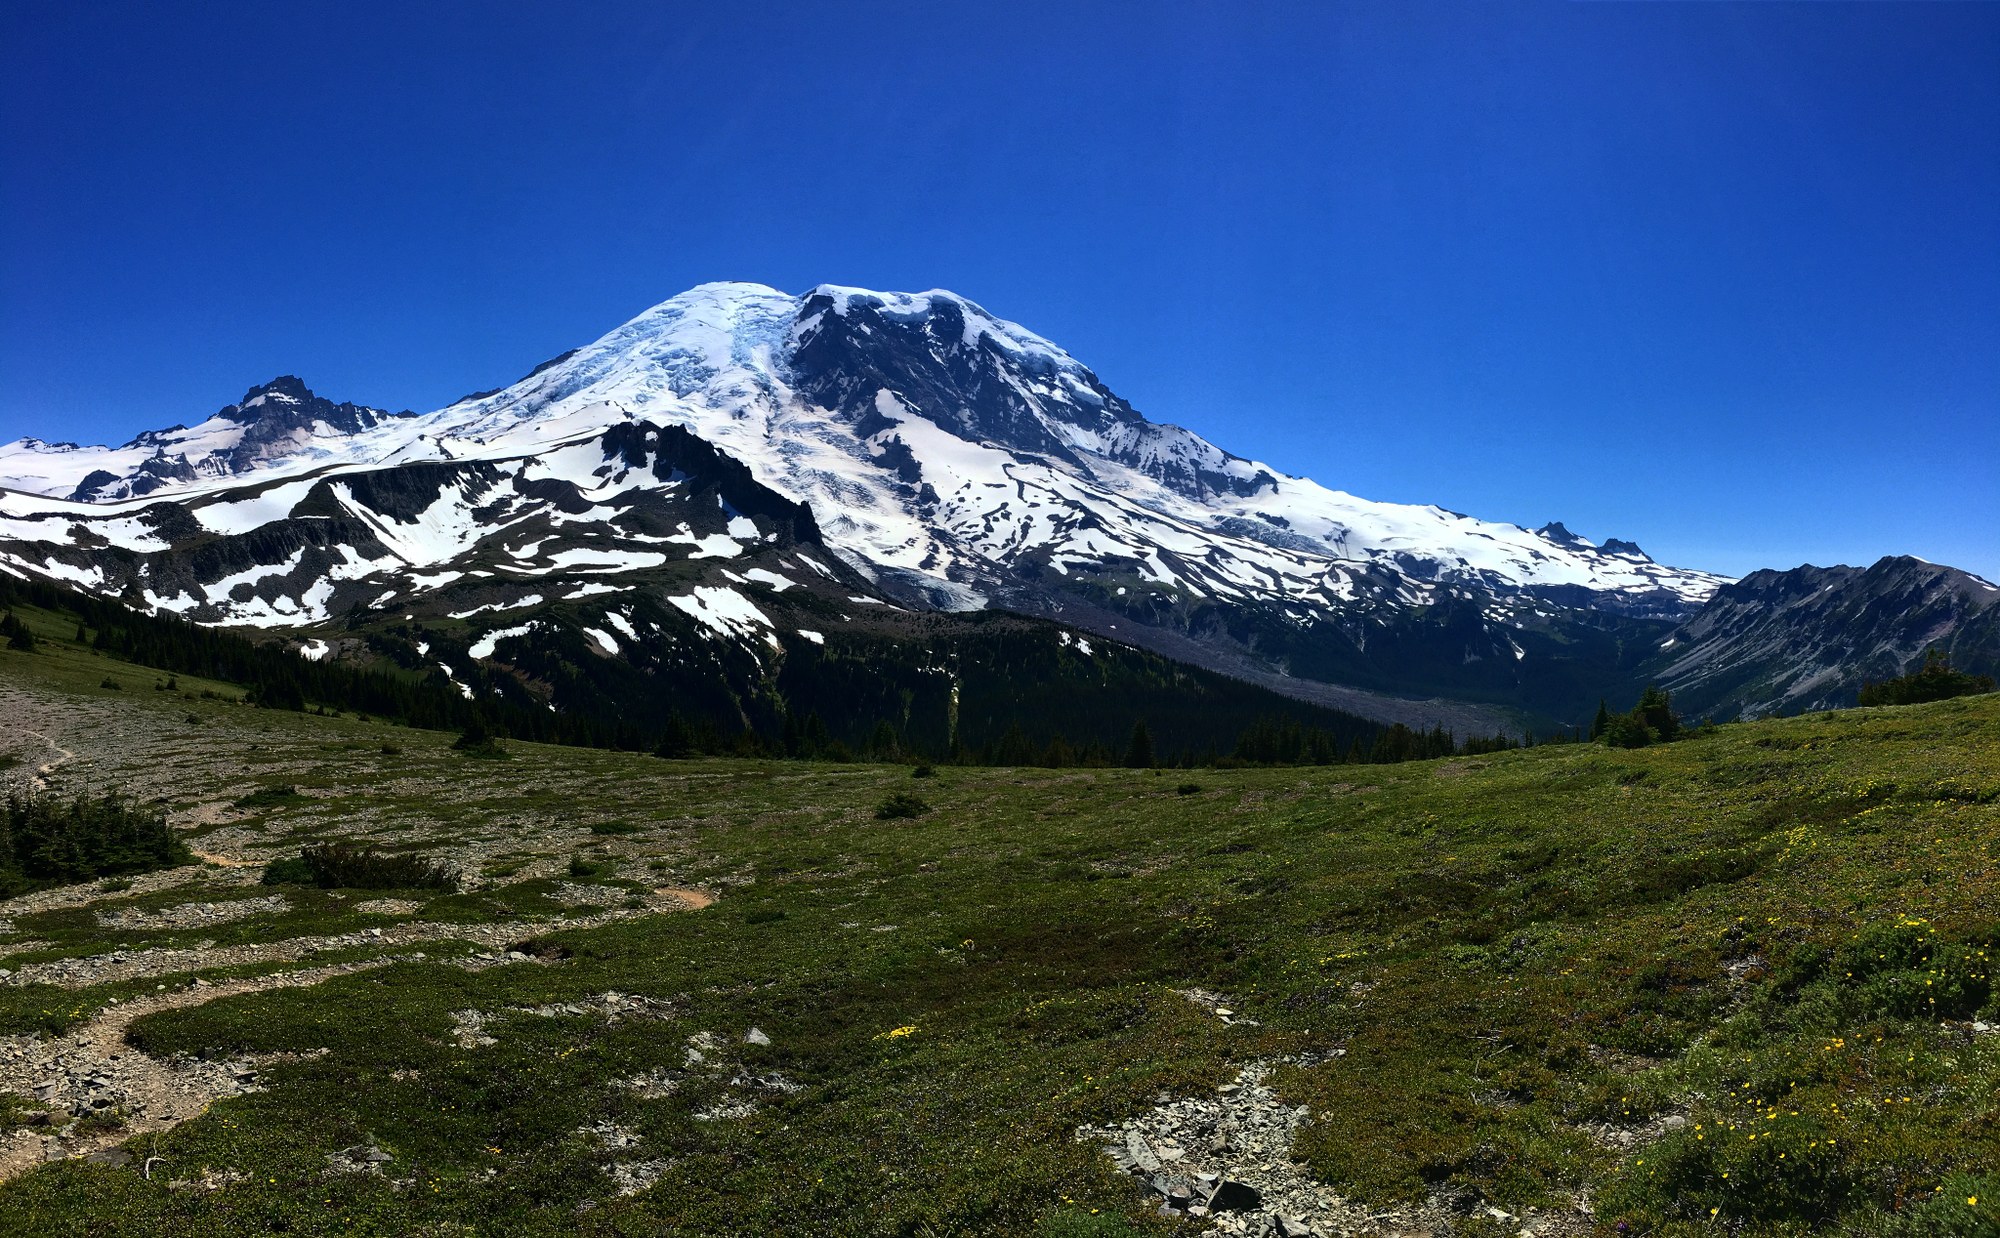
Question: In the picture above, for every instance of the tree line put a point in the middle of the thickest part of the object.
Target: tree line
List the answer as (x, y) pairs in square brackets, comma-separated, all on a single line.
[(1935, 680), (1208, 720)]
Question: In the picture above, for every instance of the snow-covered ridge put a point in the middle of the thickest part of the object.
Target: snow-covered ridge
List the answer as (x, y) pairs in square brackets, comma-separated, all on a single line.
[(280, 425), (942, 448)]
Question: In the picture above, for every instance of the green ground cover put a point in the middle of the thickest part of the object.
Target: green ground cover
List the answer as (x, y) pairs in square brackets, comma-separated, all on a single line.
[(1726, 982)]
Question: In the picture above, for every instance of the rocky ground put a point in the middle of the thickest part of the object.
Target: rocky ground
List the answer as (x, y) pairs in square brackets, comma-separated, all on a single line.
[(1226, 1159), (87, 1090)]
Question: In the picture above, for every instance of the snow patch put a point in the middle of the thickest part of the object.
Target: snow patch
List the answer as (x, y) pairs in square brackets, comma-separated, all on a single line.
[(484, 646), (778, 583), (529, 599), (724, 611)]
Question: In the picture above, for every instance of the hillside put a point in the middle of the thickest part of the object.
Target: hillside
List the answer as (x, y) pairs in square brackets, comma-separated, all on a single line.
[(1557, 990), (1788, 642)]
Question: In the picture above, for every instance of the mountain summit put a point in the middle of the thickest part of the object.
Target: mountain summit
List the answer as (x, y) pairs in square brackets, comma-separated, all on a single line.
[(957, 452)]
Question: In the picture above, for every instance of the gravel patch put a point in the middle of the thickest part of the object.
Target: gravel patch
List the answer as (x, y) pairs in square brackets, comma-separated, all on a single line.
[(193, 915), (389, 907)]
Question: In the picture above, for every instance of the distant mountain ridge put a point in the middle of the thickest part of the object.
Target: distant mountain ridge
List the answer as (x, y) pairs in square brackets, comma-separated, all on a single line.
[(280, 421), (1808, 638), (950, 460)]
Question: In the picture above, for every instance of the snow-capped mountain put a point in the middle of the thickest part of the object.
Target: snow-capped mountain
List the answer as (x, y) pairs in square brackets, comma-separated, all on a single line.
[(276, 425), (935, 441), (954, 459)]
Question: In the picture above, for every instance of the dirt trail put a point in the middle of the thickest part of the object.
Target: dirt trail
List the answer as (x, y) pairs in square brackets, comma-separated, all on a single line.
[(91, 1068), (223, 861), (117, 965), (695, 899), (39, 779)]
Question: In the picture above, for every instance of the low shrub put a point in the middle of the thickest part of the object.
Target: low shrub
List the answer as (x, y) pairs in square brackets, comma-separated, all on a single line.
[(1906, 971), (345, 866), (541, 948), (477, 741), (900, 804), (99, 1122), (290, 871), (1076, 1223), (616, 827), (1964, 1205), (270, 797), (1767, 1167)]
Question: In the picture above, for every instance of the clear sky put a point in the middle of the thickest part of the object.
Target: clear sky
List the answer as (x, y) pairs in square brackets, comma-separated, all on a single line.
[(1723, 279)]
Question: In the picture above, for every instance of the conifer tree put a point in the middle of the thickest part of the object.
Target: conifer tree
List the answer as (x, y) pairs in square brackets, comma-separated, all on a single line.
[(1139, 752), (1655, 712), (882, 745), (1626, 731), (677, 741), (1013, 748)]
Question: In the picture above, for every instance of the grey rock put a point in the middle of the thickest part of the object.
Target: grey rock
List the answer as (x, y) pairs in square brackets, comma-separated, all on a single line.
[(1233, 1196), (1141, 1153)]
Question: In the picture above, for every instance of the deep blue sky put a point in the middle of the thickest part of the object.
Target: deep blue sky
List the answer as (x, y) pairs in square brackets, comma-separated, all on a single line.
[(1724, 279)]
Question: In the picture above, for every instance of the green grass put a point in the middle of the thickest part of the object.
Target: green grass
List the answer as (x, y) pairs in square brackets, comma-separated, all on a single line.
[(279, 796), (1779, 929)]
